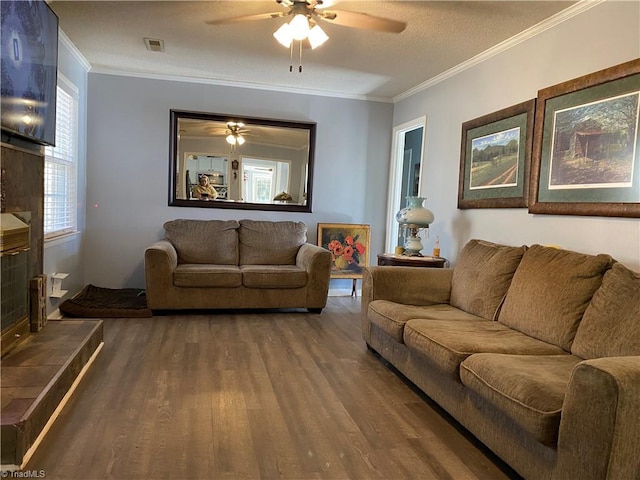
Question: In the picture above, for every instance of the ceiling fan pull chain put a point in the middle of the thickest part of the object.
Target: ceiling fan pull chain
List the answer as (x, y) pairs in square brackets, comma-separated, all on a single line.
[(291, 57), (300, 62)]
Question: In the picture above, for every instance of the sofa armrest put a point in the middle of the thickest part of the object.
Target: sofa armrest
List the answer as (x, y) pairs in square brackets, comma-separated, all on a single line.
[(309, 254), (406, 285), (599, 435), (317, 262), (160, 261)]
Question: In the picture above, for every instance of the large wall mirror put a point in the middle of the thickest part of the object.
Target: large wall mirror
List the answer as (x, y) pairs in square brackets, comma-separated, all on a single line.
[(228, 161)]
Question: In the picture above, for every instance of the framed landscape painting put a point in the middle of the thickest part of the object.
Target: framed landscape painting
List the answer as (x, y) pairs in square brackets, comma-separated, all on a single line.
[(494, 158), (349, 247), (586, 157)]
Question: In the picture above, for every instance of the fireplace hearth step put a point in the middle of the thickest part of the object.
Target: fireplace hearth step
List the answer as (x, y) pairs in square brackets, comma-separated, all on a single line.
[(36, 376)]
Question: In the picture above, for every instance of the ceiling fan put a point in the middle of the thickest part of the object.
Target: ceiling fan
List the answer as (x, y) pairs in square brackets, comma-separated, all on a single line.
[(304, 26), (234, 133), (312, 9)]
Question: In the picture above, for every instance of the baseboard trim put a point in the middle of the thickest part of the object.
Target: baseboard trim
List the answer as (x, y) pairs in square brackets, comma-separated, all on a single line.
[(55, 315)]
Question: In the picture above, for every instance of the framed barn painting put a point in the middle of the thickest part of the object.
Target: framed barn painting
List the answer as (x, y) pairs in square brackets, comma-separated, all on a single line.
[(349, 247), (494, 158), (586, 148)]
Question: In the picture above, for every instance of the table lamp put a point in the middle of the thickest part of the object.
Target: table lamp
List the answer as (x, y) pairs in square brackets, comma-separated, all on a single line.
[(411, 219)]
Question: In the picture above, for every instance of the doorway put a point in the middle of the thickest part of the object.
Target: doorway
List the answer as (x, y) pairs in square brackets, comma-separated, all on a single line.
[(405, 173), (262, 179)]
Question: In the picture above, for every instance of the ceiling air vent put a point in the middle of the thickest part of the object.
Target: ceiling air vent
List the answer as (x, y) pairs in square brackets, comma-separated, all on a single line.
[(154, 44)]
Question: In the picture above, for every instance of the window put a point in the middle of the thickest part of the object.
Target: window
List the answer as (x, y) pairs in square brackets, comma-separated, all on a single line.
[(60, 166)]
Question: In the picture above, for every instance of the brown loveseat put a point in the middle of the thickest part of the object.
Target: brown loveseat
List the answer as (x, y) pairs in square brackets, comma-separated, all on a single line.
[(536, 351), (221, 264)]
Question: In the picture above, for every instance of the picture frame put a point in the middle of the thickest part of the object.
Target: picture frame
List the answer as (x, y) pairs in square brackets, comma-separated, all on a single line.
[(586, 150), (495, 156), (349, 247)]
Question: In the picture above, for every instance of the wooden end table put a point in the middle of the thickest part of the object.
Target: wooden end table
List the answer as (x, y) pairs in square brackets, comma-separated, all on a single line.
[(390, 259)]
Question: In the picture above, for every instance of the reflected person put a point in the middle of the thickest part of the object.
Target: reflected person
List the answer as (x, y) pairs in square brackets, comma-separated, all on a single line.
[(204, 191)]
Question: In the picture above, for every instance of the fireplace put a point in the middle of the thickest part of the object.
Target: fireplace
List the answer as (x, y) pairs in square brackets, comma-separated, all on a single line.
[(21, 237), (14, 266)]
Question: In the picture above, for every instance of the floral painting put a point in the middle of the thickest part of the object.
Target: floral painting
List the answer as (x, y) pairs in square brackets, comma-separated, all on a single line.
[(349, 247)]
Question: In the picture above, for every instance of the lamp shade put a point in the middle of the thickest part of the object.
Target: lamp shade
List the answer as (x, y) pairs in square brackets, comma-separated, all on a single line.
[(317, 36), (299, 27), (412, 218), (284, 35), (415, 215)]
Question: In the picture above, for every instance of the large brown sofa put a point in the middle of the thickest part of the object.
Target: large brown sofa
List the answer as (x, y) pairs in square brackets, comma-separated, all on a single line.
[(536, 351), (227, 264)]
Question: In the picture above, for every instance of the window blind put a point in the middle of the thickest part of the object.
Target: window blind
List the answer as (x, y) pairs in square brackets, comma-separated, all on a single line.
[(60, 205)]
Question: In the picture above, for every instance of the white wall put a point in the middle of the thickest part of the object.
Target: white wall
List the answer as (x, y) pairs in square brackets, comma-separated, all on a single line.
[(128, 165), (603, 36)]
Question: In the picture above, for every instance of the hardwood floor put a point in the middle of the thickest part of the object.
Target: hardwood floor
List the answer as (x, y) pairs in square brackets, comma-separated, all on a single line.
[(288, 395)]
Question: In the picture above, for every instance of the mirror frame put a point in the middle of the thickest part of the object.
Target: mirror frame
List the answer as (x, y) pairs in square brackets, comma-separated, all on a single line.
[(176, 115)]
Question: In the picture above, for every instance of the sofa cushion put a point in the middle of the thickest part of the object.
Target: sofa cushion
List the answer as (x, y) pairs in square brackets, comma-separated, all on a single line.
[(528, 389), (204, 241), (273, 276), (270, 243), (447, 343), (198, 275), (611, 324), (391, 316), (550, 292), (482, 276)]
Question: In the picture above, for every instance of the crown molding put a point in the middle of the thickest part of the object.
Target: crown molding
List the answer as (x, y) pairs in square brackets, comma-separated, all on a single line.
[(236, 84), (66, 41), (557, 19)]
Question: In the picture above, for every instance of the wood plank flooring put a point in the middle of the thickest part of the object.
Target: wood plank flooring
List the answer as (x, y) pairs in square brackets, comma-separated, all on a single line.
[(284, 395)]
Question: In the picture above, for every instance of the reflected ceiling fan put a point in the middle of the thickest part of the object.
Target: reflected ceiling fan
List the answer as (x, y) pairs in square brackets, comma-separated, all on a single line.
[(305, 16), (234, 133)]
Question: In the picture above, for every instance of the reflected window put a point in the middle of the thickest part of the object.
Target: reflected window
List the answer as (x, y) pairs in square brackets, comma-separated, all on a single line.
[(264, 179)]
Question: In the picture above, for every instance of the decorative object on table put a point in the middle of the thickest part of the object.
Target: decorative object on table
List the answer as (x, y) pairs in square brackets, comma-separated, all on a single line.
[(283, 197), (436, 248), (411, 219), (494, 158), (349, 247), (586, 150)]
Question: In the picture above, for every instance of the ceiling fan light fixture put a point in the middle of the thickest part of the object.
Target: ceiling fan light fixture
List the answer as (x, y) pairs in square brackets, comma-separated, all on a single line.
[(317, 36), (240, 139), (299, 27), (283, 35), (231, 139)]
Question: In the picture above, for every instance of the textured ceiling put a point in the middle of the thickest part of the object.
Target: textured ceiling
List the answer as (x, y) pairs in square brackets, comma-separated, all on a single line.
[(353, 63)]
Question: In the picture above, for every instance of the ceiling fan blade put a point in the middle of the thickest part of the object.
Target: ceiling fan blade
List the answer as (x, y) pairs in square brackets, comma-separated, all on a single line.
[(247, 18), (361, 20)]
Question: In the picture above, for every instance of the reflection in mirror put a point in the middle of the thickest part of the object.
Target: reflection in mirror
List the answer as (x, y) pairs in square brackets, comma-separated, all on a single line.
[(240, 162)]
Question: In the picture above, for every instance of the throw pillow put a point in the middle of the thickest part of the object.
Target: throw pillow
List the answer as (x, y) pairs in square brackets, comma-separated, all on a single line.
[(270, 243), (482, 276), (204, 241), (611, 324), (550, 292)]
